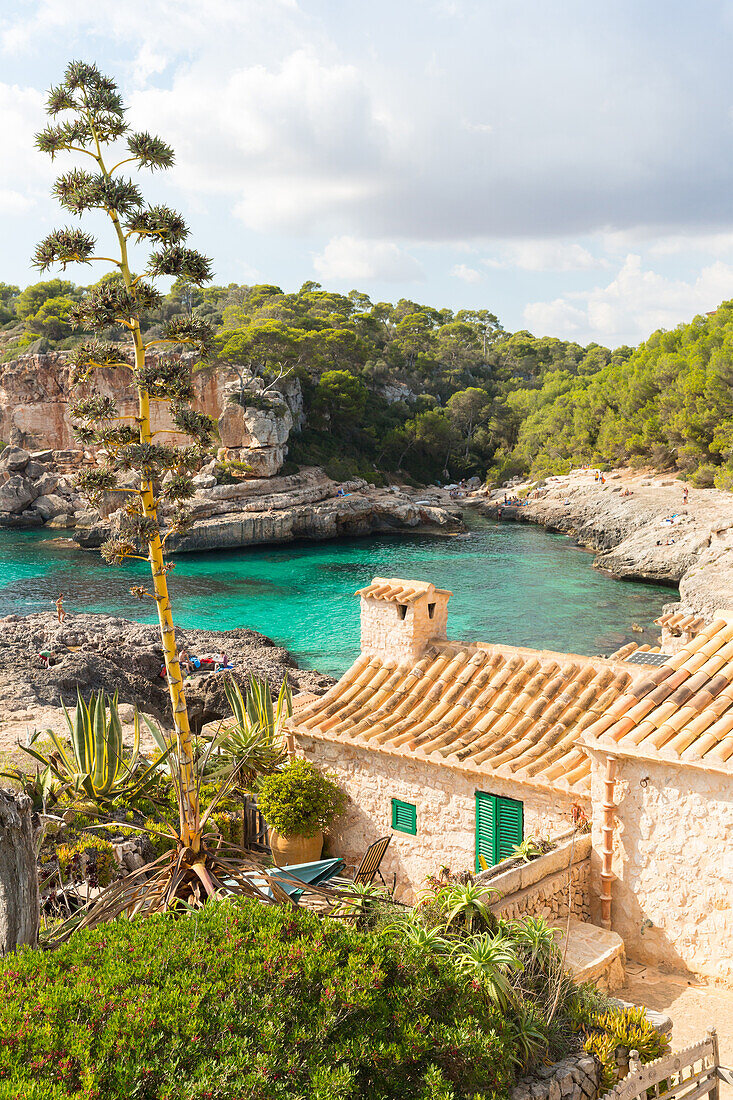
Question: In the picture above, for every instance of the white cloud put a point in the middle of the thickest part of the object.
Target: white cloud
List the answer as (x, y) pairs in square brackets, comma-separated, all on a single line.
[(351, 258), (545, 255), (24, 172), (631, 306), (293, 144), (466, 273)]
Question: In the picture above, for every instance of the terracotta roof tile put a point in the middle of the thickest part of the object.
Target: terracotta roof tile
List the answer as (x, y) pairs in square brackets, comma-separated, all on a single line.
[(529, 715)]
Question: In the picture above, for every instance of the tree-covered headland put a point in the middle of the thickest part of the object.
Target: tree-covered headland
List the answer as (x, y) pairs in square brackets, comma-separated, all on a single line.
[(435, 394)]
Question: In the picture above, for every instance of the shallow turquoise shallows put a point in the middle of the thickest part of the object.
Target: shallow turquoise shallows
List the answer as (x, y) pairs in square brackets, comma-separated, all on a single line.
[(511, 584)]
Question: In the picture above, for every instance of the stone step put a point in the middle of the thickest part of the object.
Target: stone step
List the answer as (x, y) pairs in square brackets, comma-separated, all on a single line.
[(593, 954)]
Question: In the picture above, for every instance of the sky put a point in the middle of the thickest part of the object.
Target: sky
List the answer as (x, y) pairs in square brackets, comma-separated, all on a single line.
[(566, 165)]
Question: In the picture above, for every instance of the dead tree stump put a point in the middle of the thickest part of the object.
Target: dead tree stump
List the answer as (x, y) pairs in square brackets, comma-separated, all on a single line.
[(19, 899)]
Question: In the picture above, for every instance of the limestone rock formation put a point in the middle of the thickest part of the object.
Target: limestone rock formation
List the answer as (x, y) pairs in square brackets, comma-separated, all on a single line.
[(279, 509), (641, 528), (94, 652), (34, 407)]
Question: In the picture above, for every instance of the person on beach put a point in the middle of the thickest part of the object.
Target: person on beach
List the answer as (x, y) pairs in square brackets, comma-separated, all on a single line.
[(685, 494), (60, 613)]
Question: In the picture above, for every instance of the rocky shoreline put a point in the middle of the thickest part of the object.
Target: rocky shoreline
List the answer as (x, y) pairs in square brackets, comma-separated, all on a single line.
[(103, 652), (37, 489), (638, 525)]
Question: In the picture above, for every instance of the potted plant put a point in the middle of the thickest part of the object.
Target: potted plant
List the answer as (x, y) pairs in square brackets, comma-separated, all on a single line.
[(298, 803)]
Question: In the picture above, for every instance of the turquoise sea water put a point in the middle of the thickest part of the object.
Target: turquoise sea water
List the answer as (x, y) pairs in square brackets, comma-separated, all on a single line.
[(511, 584)]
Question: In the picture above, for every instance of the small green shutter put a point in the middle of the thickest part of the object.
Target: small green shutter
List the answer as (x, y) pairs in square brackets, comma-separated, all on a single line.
[(485, 828), (499, 827), (404, 816), (509, 827)]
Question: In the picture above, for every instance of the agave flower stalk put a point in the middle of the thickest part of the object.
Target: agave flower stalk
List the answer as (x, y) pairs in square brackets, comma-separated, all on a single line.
[(93, 125)]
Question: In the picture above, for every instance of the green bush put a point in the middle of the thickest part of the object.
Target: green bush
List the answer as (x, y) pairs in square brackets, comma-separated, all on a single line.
[(299, 801), (243, 1000)]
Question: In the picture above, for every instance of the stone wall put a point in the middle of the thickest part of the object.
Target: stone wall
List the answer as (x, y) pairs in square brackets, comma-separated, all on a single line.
[(403, 632), (673, 864), (577, 1077), (446, 809), (548, 887)]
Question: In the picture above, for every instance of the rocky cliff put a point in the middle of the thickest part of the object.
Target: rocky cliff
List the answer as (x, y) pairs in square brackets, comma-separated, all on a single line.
[(640, 527), (254, 424)]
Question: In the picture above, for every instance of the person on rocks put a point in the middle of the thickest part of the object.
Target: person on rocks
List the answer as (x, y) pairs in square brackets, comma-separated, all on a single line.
[(685, 494), (60, 613)]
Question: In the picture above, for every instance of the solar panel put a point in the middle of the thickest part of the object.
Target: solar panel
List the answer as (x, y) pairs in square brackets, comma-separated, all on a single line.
[(643, 658)]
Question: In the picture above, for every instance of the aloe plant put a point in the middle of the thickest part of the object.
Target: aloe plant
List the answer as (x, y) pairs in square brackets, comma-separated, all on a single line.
[(93, 764)]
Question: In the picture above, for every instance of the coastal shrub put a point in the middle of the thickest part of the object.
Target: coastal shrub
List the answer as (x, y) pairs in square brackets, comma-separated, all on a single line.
[(241, 1000), (299, 800), (90, 860)]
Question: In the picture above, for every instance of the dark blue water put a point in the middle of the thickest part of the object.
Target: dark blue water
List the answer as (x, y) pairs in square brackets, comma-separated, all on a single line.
[(511, 584)]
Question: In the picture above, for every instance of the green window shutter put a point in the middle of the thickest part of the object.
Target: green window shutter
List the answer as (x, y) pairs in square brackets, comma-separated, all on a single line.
[(499, 827), (509, 827), (404, 816), (485, 828)]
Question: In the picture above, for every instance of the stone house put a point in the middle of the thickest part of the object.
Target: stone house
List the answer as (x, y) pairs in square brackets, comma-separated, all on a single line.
[(461, 750)]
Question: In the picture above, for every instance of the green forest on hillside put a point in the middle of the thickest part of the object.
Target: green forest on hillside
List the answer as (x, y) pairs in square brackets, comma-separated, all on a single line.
[(436, 394)]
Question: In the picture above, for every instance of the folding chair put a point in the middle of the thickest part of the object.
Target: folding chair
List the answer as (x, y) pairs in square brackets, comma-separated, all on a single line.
[(368, 869)]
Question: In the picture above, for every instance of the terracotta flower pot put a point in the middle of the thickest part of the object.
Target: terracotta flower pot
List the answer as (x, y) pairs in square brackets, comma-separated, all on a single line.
[(287, 850)]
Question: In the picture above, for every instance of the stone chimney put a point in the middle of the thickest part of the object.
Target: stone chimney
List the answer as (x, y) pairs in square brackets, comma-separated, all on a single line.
[(399, 619)]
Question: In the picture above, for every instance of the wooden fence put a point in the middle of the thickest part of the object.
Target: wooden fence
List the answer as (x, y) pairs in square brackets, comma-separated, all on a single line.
[(686, 1075)]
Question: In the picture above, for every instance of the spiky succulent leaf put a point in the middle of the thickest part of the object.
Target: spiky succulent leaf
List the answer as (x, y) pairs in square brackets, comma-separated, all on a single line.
[(158, 222), (198, 425), (182, 263), (192, 331), (115, 550), (92, 483), (112, 302), (180, 487), (95, 407), (60, 99), (92, 354), (166, 376), (150, 458), (150, 151), (63, 247)]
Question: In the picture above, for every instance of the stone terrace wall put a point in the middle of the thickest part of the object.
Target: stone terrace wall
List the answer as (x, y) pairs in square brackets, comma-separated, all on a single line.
[(446, 809), (541, 888), (575, 1078)]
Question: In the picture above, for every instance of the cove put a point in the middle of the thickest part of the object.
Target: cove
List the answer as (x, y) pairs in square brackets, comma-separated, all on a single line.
[(511, 584)]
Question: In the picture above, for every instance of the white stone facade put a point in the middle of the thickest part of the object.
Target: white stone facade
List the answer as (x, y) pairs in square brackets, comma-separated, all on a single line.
[(446, 810), (673, 864)]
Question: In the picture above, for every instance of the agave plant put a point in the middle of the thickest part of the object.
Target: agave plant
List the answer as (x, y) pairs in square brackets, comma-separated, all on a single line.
[(535, 939), (43, 788), (490, 960), (254, 740), (416, 934), (468, 904), (94, 765), (360, 900), (529, 1039)]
